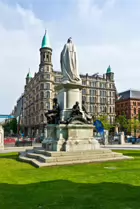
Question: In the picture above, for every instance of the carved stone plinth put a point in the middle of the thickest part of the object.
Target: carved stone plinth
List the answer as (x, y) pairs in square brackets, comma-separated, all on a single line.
[(71, 137), (68, 95)]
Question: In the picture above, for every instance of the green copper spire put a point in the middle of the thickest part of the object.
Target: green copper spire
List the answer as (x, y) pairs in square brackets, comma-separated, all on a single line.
[(45, 41), (29, 74), (108, 69)]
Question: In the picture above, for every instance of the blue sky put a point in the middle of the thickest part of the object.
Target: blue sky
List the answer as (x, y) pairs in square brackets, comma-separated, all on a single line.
[(104, 31)]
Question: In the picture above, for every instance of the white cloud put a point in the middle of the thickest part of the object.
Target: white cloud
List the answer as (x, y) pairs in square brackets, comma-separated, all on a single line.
[(20, 39)]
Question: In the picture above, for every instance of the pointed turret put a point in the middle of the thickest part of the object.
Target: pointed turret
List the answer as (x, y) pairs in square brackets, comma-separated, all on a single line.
[(28, 77), (45, 41), (45, 54), (109, 74), (108, 69)]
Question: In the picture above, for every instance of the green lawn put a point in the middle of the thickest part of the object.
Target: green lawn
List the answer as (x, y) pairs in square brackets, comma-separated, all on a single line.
[(70, 187)]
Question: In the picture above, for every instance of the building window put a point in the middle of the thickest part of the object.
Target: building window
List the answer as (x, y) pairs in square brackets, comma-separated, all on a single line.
[(47, 58), (42, 118), (48, 94), (42, 105), (37, 97), (58, 79), (134, 103), (84, 98), (84, 91), (41, 86), (134, 110), (92, 100), (48, 68), (91, 108), (48, 105), (44, 57), (84, 83), (42, 95), (47, 86), (92, 84), (92, 92)]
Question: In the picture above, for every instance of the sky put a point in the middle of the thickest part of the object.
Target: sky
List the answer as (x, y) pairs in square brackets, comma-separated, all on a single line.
[(105, 32)]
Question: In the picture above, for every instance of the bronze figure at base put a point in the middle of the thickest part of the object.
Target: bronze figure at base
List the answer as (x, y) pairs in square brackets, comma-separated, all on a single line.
[(53, 115)]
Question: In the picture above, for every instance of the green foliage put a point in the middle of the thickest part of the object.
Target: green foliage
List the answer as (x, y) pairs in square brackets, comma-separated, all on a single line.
[(12, 125), (122, 121), (105, 122), (70, 187)]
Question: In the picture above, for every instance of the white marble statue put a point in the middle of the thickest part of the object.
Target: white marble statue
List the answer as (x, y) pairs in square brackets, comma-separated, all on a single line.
[(69, 63)]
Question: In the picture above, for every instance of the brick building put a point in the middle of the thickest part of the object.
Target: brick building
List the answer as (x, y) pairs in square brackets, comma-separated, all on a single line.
[(128, 103)]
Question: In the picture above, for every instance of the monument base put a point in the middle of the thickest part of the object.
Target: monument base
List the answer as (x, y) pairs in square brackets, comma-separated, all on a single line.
[(1, 138), (71, 137)]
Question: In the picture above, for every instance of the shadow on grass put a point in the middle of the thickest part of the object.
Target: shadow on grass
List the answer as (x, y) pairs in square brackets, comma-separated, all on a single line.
[(62, 194)]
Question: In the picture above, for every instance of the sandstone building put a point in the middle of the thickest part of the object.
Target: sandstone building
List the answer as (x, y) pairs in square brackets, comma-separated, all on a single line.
[(98, 92)]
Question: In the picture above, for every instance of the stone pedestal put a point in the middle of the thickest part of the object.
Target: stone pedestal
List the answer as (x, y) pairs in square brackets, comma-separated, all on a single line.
[(72, 137), (75, 136), (1, 137), (121, 138), (105, 137), (68, 95)]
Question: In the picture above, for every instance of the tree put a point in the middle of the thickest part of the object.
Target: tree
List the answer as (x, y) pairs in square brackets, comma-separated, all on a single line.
[(13, 125), (123, 122), (105, 122), (134, 125)]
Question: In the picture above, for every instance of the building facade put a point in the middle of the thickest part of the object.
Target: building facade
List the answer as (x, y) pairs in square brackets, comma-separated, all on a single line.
[(128, 103), (98, 92)]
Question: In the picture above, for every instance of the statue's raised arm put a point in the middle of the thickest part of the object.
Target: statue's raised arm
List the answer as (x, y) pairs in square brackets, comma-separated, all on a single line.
[(69, 63)]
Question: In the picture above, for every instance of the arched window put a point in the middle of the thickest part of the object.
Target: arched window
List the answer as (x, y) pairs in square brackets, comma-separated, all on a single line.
[(42, 95), (110, 110), (48, 105), (42, 118), (47, 58), (48, 94)]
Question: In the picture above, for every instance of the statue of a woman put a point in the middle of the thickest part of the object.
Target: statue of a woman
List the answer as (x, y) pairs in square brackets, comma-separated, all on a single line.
[(69, 63)]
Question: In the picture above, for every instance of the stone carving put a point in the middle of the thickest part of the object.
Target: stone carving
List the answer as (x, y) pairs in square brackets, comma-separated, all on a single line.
[(53, 116), (88, 117), (69, 63)]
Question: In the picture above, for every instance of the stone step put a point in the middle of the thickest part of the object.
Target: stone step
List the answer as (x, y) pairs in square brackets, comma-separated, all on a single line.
[(90, 155), (36, 163), (40, 157), (63, 153), (23, 157)]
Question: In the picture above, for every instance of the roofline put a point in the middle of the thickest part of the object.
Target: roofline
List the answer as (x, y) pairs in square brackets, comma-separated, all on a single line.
[(129, 90)]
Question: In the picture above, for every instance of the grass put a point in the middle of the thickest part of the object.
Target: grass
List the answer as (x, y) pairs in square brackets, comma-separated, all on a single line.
[(70, 187)]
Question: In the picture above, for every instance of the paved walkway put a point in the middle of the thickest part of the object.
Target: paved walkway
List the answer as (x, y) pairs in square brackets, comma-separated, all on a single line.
[(112, 147), (126, 146)]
